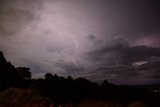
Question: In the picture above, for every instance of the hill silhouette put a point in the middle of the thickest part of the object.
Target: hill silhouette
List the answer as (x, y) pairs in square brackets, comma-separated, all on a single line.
[(66, 90)]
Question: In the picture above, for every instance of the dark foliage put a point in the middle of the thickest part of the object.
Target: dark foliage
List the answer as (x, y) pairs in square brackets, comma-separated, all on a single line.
[(24, 72), (8, 74)]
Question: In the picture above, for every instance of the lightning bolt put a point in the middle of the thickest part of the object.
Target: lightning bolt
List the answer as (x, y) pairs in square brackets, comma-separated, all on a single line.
[(75, 41), (64, 32), (73, 38)]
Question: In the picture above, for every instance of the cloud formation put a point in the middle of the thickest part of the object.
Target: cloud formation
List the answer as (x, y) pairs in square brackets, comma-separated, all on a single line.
[(114, 40)]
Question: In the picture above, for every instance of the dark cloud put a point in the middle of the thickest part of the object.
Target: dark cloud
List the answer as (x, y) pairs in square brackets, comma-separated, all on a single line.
[(119, 52), (13, 20), (16, 15), (113, 73), (69, 67), (146, 73), (133, 54), (120, 71), (120, 61), (92, 37), (152, 68)]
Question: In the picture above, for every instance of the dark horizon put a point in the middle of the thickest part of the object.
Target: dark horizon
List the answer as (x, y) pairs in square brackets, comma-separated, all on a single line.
[(95, 39)]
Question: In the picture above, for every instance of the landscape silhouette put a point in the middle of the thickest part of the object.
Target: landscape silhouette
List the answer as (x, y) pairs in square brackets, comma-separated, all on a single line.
[(18, 89)]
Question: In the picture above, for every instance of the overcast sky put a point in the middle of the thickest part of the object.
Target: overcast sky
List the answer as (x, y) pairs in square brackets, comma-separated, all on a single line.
[(117, 40)]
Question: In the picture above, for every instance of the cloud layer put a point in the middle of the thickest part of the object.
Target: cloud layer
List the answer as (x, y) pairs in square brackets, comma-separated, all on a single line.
[(114, 40)]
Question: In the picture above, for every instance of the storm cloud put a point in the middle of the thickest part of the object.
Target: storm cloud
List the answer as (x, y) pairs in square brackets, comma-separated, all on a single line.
[(96, 39), (119, 61)]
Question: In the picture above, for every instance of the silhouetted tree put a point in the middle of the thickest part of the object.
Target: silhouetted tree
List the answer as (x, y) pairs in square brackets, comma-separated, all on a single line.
[(69, 78), (24, 72), (105, 83), (48, 76), (8, 74), (2, 59), (56, 77)]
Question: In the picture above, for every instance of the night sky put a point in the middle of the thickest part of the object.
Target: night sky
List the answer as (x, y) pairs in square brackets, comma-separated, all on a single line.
[(117, 40)]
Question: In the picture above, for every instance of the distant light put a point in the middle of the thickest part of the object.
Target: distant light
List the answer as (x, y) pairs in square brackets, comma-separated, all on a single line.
[(139, 63)]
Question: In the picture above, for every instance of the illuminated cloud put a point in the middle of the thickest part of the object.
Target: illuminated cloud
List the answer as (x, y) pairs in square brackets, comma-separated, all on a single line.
[(96, 39)]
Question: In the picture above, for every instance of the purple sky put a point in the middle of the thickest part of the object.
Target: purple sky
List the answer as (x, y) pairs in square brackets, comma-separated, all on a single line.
[(117, 40)]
